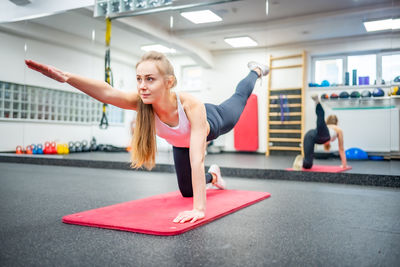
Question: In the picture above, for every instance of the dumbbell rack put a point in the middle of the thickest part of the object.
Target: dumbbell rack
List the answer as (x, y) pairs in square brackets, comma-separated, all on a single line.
[(286, 135)]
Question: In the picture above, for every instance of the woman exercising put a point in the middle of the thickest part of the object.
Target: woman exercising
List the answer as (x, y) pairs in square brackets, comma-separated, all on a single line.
[(185, 122), (323, 134)]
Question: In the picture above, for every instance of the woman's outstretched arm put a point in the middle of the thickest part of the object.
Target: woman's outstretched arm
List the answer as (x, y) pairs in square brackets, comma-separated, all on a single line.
[(99, 90)]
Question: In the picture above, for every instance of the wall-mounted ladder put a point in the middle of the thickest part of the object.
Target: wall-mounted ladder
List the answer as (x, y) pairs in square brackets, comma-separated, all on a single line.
[(285, 107)]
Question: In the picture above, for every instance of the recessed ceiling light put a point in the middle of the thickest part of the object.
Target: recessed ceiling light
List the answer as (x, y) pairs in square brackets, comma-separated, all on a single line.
[(381, 25), (396, 24), (158, 48), (244, 41), (202, 16)]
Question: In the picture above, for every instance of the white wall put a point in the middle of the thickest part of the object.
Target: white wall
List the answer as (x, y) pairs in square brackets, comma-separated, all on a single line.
[(15, 133)]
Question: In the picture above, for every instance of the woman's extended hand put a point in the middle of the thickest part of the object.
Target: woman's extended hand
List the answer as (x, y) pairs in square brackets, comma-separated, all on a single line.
[(49, 71), (192, 215)]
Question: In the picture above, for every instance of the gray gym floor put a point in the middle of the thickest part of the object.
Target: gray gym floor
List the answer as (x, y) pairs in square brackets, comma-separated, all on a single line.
[(301, 224)]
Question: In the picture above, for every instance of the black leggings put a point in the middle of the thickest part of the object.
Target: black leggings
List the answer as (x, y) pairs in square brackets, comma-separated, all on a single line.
[(320, 135), (222, 118)]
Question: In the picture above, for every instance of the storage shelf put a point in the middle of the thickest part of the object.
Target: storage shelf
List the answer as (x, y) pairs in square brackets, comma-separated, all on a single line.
[(285, 148), (352, 87), (286, 67), (292, 131), (285, 89), (271, 122), (277, 114), (286, 57), (298, 105), (361, 99), (287, 96), (277, 139), (363, 107), (293, 95)]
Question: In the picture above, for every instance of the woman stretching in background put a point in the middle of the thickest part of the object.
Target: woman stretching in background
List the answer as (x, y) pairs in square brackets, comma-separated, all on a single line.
[(323, 134)]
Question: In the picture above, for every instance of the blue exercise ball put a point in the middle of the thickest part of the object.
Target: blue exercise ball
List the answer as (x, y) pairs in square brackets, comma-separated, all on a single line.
[(356, 153), (325, 83)]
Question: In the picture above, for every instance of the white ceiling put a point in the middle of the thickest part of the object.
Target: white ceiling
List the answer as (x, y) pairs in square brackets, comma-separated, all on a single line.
[(10, 12), (288, 21)]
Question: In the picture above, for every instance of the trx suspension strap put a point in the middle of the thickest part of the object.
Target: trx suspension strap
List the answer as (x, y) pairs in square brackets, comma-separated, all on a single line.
[(108, 73)]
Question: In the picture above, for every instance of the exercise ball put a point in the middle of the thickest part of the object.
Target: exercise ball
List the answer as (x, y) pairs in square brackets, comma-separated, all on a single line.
[(356, 154)]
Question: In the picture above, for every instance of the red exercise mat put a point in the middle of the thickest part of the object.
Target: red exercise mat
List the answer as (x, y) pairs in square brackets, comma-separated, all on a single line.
[(154, 215), (323, 168)]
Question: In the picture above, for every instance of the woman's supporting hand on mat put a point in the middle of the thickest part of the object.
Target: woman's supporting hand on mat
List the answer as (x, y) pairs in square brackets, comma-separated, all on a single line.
[(189, 215)]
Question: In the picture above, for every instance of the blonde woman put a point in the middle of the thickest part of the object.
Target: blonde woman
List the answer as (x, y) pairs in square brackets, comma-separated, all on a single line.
[(185, 122), (325, 133)]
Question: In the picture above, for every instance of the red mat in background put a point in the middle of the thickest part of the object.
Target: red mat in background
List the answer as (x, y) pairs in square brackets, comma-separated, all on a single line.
[(154, 215), (323, 168)]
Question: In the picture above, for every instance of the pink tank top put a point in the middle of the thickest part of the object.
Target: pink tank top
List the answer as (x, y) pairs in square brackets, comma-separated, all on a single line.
[(179, 135)]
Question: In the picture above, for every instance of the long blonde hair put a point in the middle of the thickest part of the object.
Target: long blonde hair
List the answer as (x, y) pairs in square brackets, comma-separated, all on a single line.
[(144, 146)]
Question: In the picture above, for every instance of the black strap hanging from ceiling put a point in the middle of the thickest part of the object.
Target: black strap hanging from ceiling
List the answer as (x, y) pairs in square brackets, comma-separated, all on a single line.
[(108, 73)]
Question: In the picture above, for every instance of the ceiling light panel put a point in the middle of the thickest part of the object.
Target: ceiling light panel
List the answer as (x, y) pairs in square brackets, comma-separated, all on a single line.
[(396, 24), (202, 16), (244, 41), (381, 25)]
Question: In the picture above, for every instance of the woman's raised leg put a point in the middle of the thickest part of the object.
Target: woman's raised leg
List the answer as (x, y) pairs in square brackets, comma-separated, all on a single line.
[(223, 117)]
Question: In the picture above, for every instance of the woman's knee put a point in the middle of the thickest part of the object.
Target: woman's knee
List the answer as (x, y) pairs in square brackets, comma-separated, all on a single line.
[(307, 165), (186, 193), (185, 186)]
